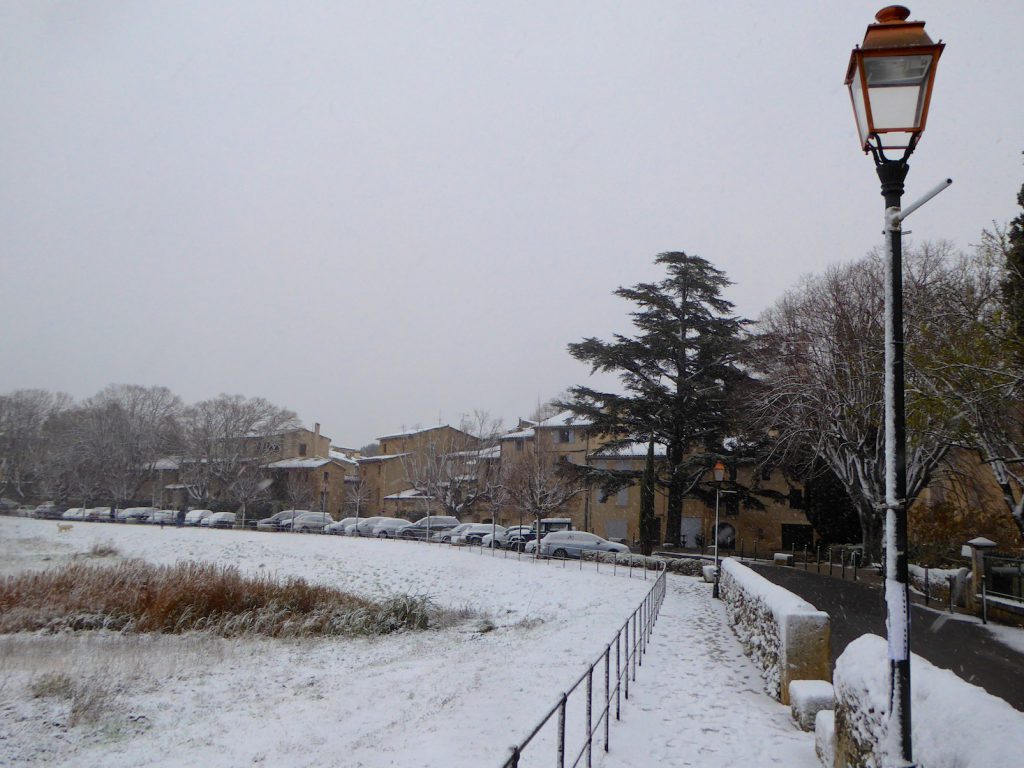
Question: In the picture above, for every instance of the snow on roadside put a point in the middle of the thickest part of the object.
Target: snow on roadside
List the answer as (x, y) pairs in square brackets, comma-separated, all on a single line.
[(456, 697)]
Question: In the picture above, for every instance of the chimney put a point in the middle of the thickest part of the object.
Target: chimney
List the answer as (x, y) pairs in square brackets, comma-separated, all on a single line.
[(316, 439)]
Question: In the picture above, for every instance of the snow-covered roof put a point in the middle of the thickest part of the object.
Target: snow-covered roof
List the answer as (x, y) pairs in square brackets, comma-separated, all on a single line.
[(381, 457), (339, 456), (410, 432), (312, 463), (636, 449), (564, 419), (523, 434), (411, 493), (166, 463), (492, 452)]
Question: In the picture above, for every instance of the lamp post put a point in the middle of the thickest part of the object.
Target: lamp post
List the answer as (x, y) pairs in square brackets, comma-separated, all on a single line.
[(719, 471), (890, 78)]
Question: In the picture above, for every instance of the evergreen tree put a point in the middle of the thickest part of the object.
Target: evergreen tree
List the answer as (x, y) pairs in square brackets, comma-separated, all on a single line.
[(676, 372), (1013, 281), (647, 504)]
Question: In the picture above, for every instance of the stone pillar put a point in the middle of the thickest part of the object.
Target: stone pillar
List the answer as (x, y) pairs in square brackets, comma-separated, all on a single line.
[(976, 549)]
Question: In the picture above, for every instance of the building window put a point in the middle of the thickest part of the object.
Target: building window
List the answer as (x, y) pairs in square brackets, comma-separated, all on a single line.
[(622, 498), (302, 449), (796, 498), (327, 476), (565, 435), (766, 473), (519, 445)]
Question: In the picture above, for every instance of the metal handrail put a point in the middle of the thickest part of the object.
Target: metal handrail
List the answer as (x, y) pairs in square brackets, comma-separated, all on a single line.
[(641, 623)]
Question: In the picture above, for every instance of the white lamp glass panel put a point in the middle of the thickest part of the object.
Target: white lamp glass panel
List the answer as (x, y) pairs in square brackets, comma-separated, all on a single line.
[(859, 110), (896, 89)]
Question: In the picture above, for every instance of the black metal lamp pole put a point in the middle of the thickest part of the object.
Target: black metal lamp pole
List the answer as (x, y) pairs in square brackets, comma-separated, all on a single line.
[(890, 77), (892, 174)]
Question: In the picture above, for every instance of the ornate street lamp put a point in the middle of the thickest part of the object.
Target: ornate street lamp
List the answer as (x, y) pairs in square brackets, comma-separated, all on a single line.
[(890, 77), (719, 471)]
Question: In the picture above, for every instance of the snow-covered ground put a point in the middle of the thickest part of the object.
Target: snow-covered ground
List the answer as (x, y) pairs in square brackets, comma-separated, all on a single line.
[(455, 697)]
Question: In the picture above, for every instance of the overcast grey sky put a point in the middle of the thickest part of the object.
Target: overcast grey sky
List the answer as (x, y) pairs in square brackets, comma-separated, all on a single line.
[(379, 213)]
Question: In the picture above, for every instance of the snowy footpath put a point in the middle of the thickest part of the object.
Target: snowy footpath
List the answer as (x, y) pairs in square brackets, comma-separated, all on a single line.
[(698, 701)]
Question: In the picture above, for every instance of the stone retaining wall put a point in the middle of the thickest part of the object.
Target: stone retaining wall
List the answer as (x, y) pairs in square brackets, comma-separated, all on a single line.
[(785, 636)]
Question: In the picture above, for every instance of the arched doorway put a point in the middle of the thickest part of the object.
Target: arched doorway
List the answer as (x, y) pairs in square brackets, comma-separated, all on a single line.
[(726, 536)]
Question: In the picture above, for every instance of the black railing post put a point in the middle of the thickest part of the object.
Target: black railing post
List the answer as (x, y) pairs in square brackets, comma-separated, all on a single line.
[(561, 732), (607, 694), (951, 582), (590, 718), (927, 587), (627, 659), (984, 599), (618, 675)]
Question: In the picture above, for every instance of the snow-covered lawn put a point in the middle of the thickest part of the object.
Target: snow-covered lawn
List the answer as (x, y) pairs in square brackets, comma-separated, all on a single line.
[(457, 697)]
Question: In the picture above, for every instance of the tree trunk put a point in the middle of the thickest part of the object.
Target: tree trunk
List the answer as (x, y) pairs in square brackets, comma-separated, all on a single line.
[(674, 507), (872, 526)]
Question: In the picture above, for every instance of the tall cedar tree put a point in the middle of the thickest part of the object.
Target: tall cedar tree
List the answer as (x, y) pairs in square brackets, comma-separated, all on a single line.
[(676, 372), (1013, 282)]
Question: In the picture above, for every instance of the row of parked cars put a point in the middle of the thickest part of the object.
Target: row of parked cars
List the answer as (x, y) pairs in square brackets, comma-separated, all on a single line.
[(555, 535)]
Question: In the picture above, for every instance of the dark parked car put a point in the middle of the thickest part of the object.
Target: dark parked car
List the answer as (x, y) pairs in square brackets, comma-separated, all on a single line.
[(428, 526)]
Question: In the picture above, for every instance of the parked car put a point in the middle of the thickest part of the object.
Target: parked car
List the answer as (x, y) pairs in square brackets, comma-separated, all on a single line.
[(47, 511), (310, 522), (389, 527), (196, 516), (165, 516), (547, 525), (273, 523), (428, 526), (453, 535), (475, 533), (219, 520), (98, 513), (134, 514), (365, 526), (574, 543), (75, 513), (338, 528), (504, 536)]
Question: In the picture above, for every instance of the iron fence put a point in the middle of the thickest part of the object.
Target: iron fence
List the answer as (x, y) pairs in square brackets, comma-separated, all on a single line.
[(1004, 577), (628, 647)]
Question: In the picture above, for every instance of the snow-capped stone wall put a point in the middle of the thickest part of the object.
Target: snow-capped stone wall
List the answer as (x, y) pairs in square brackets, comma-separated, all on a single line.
[(955, 724), (784, 635)]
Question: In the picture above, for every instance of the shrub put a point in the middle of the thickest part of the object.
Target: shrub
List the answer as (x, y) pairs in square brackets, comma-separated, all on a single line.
[(139, 597)]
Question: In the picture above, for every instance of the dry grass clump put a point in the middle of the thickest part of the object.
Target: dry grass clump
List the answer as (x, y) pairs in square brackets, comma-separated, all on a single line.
[(89, 698), (103, 549), (134, 596)]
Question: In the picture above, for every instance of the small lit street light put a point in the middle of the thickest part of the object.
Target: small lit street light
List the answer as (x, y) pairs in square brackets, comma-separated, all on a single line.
[(890, 77), (719, 471)]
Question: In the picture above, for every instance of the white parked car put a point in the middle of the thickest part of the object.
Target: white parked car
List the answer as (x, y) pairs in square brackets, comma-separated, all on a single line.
[(196, 516), (389, 527), (453, 535), (75, 513), (574, 543)]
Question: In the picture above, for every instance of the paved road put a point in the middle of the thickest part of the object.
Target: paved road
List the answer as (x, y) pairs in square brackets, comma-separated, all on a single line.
[(952, 642)]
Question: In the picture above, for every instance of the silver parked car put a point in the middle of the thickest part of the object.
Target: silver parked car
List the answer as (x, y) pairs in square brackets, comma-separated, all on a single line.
[(196, 516), (338, 528), (573, 543), (366, 525), (308, 522), (389, 527), (219, 520), (274, 522), (427, 526)]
